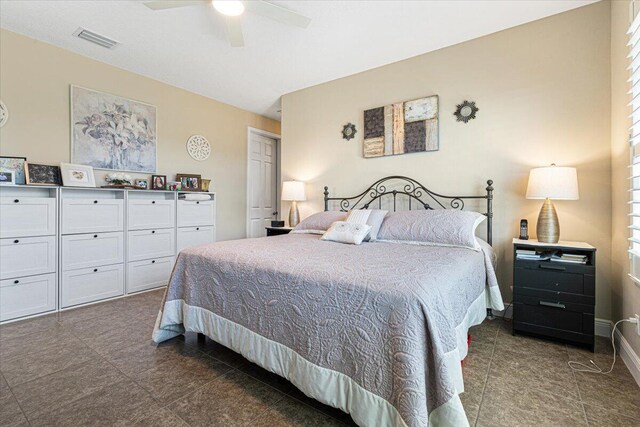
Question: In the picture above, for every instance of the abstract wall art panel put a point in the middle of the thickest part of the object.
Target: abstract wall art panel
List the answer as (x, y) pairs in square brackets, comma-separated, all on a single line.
[(401, 128)]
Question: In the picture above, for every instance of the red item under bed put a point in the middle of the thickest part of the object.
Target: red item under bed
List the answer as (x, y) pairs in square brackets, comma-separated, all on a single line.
[(468, 344)]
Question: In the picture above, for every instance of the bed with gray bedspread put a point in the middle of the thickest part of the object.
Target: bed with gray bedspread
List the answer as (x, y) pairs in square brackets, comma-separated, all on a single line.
[(377, 330)]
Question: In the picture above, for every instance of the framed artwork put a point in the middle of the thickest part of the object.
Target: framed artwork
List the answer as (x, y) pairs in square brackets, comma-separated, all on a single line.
[(189, 182), (42, 174), (111, 132), (174, 186), (141, 183), (77, 175), (158, 182), (16, 166), (7, 177), (401, 128)]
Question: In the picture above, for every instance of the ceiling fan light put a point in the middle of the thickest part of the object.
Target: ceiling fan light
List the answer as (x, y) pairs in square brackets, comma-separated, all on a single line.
[(228, 7)]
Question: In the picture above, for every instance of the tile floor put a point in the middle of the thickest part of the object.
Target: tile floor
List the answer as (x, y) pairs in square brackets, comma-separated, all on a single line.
[(96, 366)]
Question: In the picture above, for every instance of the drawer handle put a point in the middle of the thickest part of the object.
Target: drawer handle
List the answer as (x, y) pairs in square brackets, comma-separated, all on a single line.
[(16, 241), (552, 304), (16, 201), (153, 202), (95, 236), (197, 203), (95, 201), (95, 270), (16, 281), (551, 267), (197, 228), (153, 231), (153, 262)]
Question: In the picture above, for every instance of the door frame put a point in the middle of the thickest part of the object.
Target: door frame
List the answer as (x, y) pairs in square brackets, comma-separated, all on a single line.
[(277, 138)]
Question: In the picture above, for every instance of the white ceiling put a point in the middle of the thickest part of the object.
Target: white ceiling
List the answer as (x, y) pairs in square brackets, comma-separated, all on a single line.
[(187, 47)]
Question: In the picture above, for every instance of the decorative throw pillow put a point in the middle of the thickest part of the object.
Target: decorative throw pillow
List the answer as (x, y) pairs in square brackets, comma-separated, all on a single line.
[(346, 232), (433, 227), (372, 217), (319, 222)]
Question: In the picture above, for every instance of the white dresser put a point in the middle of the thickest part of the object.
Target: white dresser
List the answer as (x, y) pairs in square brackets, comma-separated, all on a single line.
[(28, 251), (62, 247)]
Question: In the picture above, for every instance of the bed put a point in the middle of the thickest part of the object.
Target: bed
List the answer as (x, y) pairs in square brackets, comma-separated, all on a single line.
[(377, 330)]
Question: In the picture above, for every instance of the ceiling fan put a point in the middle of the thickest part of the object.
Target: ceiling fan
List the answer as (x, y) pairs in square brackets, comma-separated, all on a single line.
[(232, 10)]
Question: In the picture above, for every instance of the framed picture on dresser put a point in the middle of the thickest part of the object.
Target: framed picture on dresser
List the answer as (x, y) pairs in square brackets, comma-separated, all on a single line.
[(42, 174)]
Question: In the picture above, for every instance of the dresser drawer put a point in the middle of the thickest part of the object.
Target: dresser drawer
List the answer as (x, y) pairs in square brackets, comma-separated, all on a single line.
[(91, 284), (92, 215), (194, 236), (27, 256), (90, 250), (146, 214), (147, 244), (149, 274), (549, 280), (27, 216), (27, 296), (194, 213), (588, 300)]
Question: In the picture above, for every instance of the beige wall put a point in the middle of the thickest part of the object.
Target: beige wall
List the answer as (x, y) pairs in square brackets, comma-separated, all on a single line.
[(34, 84), (624, 293), (543, 93)]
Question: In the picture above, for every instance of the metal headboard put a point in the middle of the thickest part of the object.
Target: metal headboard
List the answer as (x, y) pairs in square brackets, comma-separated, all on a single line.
[(417, 194)]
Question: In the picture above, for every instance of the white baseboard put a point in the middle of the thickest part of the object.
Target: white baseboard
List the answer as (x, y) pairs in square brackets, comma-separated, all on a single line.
[(507, 313), (603, 328), (629, 356)]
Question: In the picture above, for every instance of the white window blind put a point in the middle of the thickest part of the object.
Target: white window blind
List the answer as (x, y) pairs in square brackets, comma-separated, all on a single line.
[(634, 140)]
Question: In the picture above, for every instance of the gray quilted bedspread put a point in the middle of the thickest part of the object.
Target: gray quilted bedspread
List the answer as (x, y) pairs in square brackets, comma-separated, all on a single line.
[(381, 313)]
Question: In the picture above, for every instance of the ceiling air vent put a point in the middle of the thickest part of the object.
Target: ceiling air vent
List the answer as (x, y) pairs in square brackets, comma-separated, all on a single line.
[(95, 38)]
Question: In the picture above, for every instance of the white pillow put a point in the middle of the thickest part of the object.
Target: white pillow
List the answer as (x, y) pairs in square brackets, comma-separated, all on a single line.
[(372, 217), (346, 232)]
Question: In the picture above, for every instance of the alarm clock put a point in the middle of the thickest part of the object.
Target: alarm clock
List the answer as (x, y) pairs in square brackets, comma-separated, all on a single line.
[(524, 229)]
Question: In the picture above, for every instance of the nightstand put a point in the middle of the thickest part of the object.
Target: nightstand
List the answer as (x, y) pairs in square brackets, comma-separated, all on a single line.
[(554, 296), (277, 231)]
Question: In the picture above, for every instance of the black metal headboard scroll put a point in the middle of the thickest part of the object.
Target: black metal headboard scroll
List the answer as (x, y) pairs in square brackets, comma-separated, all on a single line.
[(418, 194)]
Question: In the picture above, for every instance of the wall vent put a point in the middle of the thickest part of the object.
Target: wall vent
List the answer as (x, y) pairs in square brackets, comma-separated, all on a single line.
[(95, 38)]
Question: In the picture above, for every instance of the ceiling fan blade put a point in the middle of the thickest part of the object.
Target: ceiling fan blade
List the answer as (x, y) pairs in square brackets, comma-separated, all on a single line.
[(234, 31), (277, 13), (171, 4)]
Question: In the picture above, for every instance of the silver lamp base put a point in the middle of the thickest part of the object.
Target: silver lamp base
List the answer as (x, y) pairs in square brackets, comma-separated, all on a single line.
[(294, 215), (548, 227)]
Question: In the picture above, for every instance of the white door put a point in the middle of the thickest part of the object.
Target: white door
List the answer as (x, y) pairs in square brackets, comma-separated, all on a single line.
[(261, 184)]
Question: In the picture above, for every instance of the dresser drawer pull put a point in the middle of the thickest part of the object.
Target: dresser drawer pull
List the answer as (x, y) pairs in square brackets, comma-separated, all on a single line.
[(552, 304), (551, 267), (16, 241), (16, 281), (16, 201), (95, 236), (95, 201), (153, 202)]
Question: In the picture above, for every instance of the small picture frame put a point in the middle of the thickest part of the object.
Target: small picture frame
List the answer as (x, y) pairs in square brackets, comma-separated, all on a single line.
[(174, 186), (7, 177), (42, 174), (141, 184), (17, 166), (77, 175), (190, 182), (158, 182)]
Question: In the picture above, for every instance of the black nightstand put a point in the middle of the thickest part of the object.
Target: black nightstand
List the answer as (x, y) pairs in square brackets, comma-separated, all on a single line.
[(277, 231), (554, 299)]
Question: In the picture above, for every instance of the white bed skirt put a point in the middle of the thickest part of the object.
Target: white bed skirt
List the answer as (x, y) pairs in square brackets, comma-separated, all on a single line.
[(327, 386)]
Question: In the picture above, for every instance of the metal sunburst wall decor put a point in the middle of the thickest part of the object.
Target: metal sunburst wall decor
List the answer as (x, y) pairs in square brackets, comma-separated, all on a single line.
[(349, 131), (466, 111), (4, 114)]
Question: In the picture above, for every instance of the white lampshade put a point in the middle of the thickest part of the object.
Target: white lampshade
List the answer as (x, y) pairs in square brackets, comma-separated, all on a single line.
[(293, 190), (554, 182)]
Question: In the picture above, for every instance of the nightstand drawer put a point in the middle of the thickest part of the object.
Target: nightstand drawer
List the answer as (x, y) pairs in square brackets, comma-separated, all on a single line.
[(588, 300), (549, 280), (577, 318)]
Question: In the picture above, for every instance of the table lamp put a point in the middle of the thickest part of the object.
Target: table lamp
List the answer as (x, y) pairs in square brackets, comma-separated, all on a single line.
[(293, 191), (551, 182)]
